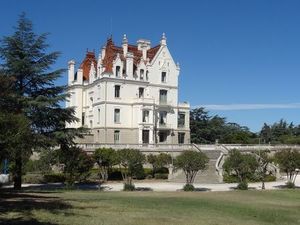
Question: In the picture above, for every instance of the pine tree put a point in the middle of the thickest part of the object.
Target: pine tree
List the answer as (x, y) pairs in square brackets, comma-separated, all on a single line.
[(36, 98)]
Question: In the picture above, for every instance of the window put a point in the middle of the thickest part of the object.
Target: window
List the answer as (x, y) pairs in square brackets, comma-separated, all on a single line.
[(147, 75), (162, 118), (117, 91), (163, 96), (117, 116), (181, 119), (145, 116), (98, 116), (141, 74), (82, 118), (116, 136), (91, 123), (181, 138), (162, 136), (118, 68), (141, 92), (163, 77)]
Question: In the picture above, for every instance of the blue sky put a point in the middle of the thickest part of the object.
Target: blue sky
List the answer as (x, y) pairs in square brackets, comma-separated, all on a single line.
[(239, 58)]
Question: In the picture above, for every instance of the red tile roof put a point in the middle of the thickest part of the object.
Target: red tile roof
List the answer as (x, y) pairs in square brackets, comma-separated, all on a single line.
[(87, 63), (111, 52)]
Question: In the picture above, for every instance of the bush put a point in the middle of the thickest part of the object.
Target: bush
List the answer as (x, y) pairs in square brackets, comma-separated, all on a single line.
[(242, 186), (188, 187), (115, 174), (234, 179), (290, 185), (149, 177), (162, 176), (162, 170), (54, 178), (128, 187), (33, 178)]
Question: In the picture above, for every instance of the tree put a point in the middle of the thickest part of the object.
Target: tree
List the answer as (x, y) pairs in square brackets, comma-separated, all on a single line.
[(159, 161), (289, 162), (105, 158), (131, 162), (35, 97), (191, 162), (264, 160), (242, 165), (208, 129), (77, 164)]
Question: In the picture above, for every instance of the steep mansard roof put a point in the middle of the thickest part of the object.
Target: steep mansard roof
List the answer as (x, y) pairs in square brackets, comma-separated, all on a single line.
[(87, 64), (111, 52)]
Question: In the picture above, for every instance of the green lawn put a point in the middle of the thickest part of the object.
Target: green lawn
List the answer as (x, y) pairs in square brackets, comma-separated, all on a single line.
[(138, 208)]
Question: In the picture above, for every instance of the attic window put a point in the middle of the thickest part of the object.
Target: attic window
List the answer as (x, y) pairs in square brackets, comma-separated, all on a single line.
[(118, 68), (141, 74)]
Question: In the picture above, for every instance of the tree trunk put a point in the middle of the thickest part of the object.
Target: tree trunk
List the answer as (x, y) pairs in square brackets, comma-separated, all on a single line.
[(18, 172)]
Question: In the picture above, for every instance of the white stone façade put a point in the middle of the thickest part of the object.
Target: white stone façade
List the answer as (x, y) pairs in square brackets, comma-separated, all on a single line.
[(129, 95)]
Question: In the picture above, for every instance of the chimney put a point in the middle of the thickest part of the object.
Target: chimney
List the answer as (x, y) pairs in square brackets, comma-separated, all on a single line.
[(125, 45), (129, 64), (71, 71), (144, 45)]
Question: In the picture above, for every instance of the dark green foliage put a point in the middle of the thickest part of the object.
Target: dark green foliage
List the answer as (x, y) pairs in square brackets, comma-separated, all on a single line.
[(232, 178), (77, 164), (188, 187), (242, 185), (161, 176), (191, 162), (243, 166), (128, 187), (159, 161), (280, 133), (131, 161), (105, 158), (208, 129), (54, 178), (33, 178), (31, 97), (290, 185), (289, 162)]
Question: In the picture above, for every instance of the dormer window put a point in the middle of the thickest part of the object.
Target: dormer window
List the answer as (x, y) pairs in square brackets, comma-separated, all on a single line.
[(163, 77), (141, 74), (118, 69)]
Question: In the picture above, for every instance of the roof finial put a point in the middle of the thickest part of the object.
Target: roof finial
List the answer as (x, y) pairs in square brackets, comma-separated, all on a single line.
[(163, 40), (125, 40)]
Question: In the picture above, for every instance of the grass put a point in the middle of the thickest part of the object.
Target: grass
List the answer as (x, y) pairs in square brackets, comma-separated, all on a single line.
[(156, 208)]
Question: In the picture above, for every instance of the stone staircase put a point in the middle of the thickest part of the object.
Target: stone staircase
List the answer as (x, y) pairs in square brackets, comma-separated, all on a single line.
[(209, 176)]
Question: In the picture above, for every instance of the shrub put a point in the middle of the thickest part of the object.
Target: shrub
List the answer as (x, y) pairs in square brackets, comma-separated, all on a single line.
[(54, 178), (128, 187), (234, 179), (290, 185), (149, 177), (242, 186), (188, 187), (33, 178), (162, 176)]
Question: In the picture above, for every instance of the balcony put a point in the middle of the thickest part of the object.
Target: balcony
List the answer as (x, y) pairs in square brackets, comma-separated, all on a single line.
[(164, 126)]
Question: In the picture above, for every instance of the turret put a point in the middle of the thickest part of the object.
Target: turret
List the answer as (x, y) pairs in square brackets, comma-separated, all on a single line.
[(163, 40), (71, 71)]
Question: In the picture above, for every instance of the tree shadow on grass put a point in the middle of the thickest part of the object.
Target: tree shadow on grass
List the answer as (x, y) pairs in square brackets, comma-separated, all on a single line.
[(22, 205), (22, 221), (284, 186)]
